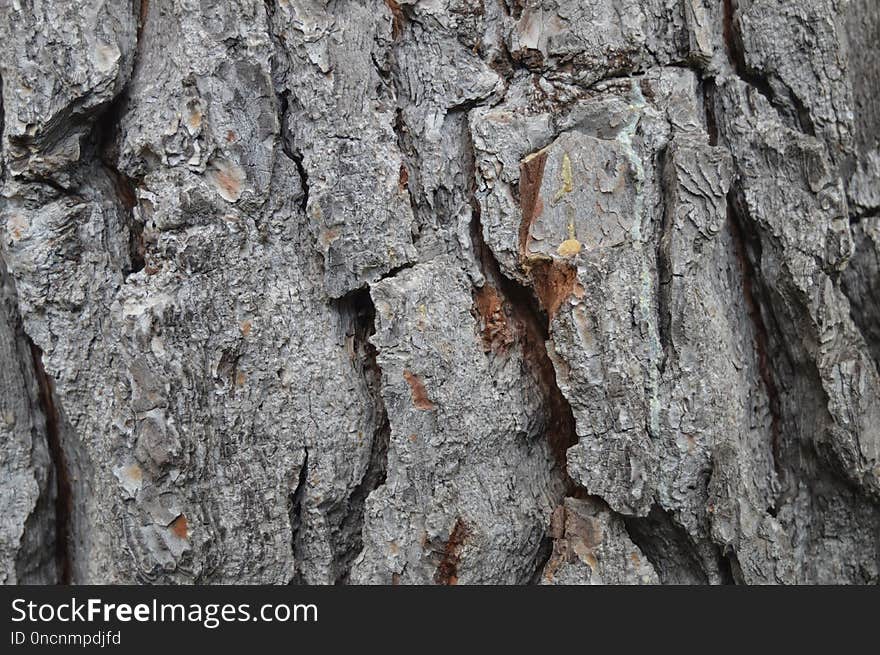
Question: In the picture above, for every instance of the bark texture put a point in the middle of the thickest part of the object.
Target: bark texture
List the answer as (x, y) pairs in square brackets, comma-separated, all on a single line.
[(440, 291)]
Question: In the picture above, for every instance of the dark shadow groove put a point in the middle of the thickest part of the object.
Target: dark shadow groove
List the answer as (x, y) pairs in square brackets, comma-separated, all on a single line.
[(64, 494), (358, 313), (296, 509)]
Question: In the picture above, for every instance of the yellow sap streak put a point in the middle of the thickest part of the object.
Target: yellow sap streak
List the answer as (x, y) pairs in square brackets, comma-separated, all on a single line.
[(567, 185)]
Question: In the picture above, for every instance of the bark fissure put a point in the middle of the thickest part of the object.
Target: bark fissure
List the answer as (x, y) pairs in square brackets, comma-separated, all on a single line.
[(63, 490), (359, 306), (296, 516), (394, 272), (542, 557), (857, 217), (664, 268), (104, 135), (447, 569), (745, 259), (288, 149), (754, 305), (709, 90), (531, 329), (103, 139), (533, 332), (668, 547), (407, 164), (800, 118), (736, 55)]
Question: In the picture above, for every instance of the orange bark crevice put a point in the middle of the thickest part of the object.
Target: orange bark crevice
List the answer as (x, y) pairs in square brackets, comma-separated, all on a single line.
[(495, 326), (554, 282), (447, 570), (397, 18)]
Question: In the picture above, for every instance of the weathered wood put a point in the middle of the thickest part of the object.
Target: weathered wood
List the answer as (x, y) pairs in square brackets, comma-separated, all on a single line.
[(439, 291)]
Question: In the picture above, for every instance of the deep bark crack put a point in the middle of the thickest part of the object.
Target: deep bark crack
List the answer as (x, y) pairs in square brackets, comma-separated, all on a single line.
[(63, 492), (296, 520), (289, 151), (359, 307), (761, 334), (745, 260), (530, 320), (542, 557), (125, 187), (799, 117), (664, 267), (447, 569), (668, 546), (736, 55), (532, 333)]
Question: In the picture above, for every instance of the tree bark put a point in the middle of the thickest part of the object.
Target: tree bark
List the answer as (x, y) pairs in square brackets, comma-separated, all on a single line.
[(440, 291)]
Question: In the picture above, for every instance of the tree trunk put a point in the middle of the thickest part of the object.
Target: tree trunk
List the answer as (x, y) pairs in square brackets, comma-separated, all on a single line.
[(438, 291)]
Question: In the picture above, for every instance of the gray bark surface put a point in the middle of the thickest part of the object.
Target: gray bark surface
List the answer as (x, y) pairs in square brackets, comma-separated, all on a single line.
[(440, 291)]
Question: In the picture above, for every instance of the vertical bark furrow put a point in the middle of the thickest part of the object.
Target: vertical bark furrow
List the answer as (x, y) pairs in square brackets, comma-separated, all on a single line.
[(63, 491)]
